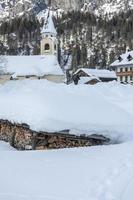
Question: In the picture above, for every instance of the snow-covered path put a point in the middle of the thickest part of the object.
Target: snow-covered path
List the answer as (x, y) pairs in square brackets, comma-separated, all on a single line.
[(96, 173)]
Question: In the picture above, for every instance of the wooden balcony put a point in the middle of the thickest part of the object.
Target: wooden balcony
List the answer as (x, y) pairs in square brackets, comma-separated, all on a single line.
[(128, 73)]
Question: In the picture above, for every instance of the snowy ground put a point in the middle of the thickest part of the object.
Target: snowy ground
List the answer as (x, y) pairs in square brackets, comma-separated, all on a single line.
[(92, 173), (105, 108), (5, 146)]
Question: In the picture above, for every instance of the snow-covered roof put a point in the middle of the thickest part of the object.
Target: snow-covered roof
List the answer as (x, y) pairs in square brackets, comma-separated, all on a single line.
[(84, 80), (100, 73), (49, 25), (124, 59), (31, 65)]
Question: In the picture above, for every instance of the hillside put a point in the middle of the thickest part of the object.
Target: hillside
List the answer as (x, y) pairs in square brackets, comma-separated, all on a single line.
[(98, 7), (12, 8), (96, 41)]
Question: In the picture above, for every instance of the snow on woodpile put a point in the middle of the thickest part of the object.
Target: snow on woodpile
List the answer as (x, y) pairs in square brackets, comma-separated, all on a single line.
[(31, 65), (124, 59), (104, 108)]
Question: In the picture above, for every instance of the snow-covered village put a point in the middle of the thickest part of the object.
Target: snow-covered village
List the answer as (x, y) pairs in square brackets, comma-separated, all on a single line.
[(66, 100)]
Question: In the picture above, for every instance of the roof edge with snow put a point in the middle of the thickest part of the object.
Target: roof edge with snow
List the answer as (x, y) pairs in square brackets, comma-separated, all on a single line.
[(100, 73), (125, 59)]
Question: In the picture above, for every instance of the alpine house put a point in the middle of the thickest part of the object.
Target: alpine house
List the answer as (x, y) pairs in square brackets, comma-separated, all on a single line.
[(124, 67)]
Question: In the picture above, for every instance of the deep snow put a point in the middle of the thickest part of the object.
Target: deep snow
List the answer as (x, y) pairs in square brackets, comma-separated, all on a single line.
[(105, 108), (92, 173)]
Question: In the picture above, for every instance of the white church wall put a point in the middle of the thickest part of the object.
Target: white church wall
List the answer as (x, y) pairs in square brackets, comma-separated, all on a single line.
[(55, 78)]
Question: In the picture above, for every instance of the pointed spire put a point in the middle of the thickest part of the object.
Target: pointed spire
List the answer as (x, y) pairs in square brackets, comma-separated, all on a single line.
[(49, 25)]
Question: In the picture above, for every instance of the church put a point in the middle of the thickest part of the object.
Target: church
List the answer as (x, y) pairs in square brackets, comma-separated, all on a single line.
[(43, 66)]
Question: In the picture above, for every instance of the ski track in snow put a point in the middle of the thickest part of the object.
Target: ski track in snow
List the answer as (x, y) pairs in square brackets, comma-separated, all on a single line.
[(107, 183)]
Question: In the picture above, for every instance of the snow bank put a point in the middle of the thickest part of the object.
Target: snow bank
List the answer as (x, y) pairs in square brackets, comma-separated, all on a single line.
[(103, 109)]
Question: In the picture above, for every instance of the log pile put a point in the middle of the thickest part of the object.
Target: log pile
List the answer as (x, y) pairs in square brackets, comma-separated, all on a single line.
[(22, 137)]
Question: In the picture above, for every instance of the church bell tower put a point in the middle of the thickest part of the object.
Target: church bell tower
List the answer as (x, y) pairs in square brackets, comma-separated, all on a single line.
[(49, 41)]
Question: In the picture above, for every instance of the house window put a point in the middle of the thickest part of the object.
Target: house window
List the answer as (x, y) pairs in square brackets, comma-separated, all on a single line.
[(121, 69), (120, 78), (47, 47), (130, 68), (126, 78), (131, 78), (126, 69)]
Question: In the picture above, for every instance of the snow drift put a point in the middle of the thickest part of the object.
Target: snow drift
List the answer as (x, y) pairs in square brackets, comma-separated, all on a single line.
[(104, 108)]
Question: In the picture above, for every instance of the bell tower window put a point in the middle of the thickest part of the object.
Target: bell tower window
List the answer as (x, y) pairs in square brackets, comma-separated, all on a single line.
[(47, 47)]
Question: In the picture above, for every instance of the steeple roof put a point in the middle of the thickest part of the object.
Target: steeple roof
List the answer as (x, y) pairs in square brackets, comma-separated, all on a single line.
[(49, 25)]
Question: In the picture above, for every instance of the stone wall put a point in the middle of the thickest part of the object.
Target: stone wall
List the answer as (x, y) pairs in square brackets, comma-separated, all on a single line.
[(22, 137)]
